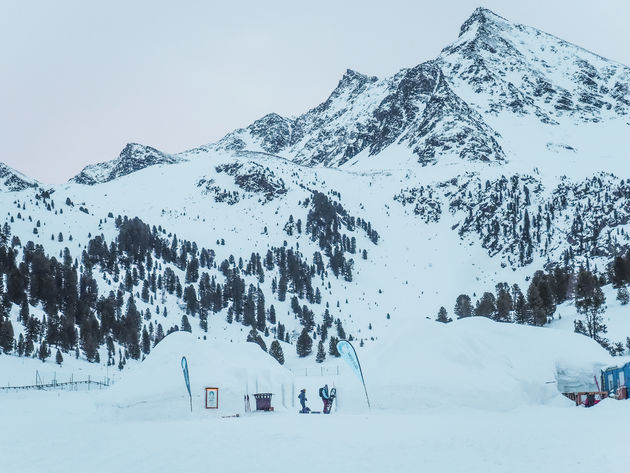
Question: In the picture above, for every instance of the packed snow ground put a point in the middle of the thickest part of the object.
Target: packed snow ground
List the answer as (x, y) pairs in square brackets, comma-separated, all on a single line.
[(452, 440), (482, 389)]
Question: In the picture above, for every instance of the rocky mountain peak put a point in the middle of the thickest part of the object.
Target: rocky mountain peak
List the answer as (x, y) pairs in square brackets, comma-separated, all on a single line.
[(12, 180), (483, 20), (136, 151), (352, 81), (133, 157)]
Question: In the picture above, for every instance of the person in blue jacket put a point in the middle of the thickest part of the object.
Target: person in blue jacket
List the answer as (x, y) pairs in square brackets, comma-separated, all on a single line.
[(302, 398)]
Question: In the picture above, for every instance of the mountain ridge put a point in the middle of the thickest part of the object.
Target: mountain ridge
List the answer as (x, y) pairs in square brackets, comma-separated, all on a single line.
[(132, 158), (448, 109)]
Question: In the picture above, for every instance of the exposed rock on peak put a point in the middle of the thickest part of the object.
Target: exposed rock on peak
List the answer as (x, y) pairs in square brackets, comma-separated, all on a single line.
[(482, 18), (501, 66), (13, 181), (132, 158)]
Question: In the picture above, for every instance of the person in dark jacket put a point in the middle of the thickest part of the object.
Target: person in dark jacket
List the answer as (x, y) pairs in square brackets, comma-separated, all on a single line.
[(302, 398), (323, 393)]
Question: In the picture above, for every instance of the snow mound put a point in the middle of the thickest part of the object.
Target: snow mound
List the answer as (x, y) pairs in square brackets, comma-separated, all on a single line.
[(156, 387), (478, 363)]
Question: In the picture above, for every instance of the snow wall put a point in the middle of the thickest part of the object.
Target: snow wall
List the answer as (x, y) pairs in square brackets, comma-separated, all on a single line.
[(473, 362), (156, 387)]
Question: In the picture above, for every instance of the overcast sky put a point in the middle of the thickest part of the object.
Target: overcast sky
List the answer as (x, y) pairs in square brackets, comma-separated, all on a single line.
[(80, 79)]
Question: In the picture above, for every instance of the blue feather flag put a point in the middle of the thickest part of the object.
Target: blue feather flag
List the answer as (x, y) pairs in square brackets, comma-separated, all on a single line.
[(187, 379), (348, 353)]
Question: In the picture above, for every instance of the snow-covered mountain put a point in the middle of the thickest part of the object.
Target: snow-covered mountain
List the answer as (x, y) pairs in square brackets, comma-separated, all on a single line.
[(132, 158), (503, 156), (490, 181), (12, 180), (453, 107), (416, 108), (501, 66)]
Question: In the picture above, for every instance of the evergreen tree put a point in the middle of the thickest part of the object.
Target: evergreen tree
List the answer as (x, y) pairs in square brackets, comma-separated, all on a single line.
[(304, 345), (190, 298), (321, 354), (545, 291), (619, 273), (90, 337), (341, 333), (29, 346), (276, 351), (504, 303), (521, 313), (21, 345), (43, 351), (332, 347), (535, 305), (145, 291), (280, 333), (622, 295), (463, 306), (282, 287), (24, 315), (328, 319), (146, 341), (159, 334), (589, 301), (260, 311), (186, 324), (249, 309), (486, 306), (132, 324), (618, 349), (6, 335), (58, 356), (560, 283), (443, 316), (203, 320), (255, 337)]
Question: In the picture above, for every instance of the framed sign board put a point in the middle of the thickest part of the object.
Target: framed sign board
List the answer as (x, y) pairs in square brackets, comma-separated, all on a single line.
[(212, 398)]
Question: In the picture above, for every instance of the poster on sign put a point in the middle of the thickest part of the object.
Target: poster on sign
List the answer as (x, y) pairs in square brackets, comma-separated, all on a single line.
[(212, 398)]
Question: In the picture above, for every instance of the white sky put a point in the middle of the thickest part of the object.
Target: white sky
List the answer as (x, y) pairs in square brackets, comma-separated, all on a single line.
[(80, 79)]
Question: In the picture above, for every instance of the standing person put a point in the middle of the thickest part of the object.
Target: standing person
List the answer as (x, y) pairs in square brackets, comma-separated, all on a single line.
[(323, 393), (302, 398)]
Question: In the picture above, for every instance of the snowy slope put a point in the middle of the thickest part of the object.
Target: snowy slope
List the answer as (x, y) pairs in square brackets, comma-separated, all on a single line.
[(505, 154), (491, 169)]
